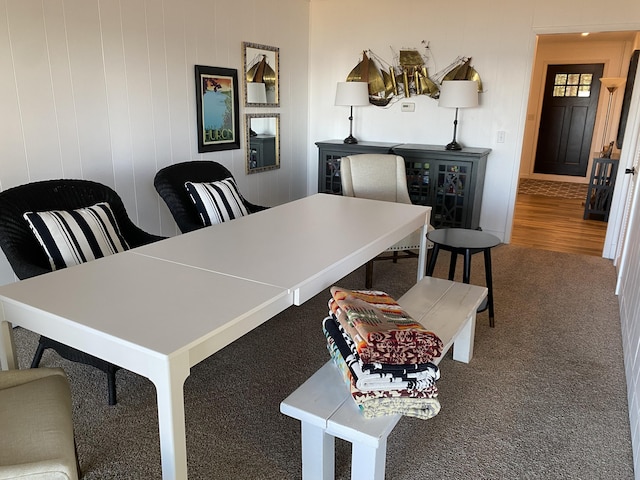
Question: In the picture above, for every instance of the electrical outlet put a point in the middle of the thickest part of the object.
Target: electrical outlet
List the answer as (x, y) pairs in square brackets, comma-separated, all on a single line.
[(408, 107)]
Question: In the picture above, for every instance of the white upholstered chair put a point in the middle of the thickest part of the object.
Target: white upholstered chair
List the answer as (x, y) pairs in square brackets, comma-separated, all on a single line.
[(381, 177), (36, 439)]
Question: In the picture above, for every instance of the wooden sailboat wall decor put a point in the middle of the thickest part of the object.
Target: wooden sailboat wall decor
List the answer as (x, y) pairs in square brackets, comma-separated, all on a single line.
[(408, 77)]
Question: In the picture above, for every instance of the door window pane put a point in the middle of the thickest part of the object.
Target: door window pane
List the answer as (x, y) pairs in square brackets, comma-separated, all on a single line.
[(572, 85), (573, 79)]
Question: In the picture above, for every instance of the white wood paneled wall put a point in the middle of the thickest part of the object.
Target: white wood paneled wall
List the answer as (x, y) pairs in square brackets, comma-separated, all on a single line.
[(630, 318), (105, 90)]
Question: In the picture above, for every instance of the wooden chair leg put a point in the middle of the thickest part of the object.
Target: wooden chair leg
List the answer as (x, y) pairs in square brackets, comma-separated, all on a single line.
[(368, 279), (428, 262), (38, 355), (111, 380)]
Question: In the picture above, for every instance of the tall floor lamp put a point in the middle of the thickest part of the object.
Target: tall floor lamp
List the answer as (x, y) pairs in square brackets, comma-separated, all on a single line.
[(611, 84), (458, 94), (352, 94)]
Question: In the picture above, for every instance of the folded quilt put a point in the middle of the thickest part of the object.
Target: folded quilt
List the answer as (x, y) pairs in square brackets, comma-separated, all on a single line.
[(361, 397), (416, 370), (377, 367), (382, 331), (423, 408), (378, 380), (413, 403)]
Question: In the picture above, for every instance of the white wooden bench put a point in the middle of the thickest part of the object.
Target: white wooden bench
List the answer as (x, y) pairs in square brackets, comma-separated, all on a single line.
[(324, 405)]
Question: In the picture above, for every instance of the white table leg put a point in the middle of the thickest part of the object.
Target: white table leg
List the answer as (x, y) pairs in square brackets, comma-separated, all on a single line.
[(368, 462), (422, 253), (170, 395), (318, 453), (8, 357), (463, 342)]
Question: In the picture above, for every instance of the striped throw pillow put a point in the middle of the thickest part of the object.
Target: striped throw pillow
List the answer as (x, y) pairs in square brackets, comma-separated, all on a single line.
[(217, 202), (72, 237)]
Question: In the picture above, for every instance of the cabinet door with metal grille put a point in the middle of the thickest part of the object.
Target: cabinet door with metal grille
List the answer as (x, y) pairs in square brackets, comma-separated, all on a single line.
[(453, 180), (419, 182)]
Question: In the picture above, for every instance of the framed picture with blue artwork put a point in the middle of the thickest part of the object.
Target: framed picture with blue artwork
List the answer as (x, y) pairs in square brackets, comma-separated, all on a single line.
[(217, 109)]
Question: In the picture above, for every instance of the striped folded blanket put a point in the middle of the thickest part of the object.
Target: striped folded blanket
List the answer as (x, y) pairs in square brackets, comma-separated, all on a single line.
[(381, 330), (406, 370), (422, 404), (375, 381)]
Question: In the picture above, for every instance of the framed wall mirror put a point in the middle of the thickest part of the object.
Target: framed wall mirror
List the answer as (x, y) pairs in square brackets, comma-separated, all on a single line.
[(261, 75), (263, 141)]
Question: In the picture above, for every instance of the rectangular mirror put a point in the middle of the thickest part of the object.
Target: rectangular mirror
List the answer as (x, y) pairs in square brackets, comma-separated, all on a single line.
[(261, 75), (263, 141)]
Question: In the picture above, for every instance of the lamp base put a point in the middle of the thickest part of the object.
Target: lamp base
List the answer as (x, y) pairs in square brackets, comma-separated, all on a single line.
[(607, 150), (453, 146), (351, 140)]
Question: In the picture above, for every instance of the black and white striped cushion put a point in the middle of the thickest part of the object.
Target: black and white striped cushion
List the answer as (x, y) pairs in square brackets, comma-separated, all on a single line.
[(217, 202), (72, 237)]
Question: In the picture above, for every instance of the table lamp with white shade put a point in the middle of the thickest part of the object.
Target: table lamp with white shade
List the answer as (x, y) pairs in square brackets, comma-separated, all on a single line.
[(256, 92), (352, 94), (458, 94)]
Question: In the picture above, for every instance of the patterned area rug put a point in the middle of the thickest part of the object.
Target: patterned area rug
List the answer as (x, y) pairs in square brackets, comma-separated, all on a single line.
[(546, 188)]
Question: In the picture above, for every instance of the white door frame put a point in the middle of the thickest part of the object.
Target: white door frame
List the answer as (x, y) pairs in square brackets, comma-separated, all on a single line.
[(620, 204)]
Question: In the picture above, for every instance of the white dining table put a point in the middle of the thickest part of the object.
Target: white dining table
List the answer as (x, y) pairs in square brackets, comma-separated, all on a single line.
[(160, 309), (302, 246)]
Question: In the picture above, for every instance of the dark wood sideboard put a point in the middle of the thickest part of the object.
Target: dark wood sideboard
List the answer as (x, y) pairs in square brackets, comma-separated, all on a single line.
[(263, 151), (450, 181)]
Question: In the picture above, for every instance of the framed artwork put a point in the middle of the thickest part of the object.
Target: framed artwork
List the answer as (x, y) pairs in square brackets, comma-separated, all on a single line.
[(217, 108)]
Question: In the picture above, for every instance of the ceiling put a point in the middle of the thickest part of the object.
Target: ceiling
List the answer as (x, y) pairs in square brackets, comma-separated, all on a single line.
[(626, 36)]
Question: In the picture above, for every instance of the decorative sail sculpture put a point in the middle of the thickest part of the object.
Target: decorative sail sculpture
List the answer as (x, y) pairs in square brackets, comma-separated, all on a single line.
[(414, 72), (409, 77), (462, 70), (380, 83), (261, 72)]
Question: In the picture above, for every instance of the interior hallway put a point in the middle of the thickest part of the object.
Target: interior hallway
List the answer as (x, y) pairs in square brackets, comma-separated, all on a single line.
[(556, 224)]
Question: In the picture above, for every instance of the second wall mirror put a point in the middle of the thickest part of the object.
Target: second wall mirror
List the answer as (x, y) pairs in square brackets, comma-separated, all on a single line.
[(263, 141), (261, 75)]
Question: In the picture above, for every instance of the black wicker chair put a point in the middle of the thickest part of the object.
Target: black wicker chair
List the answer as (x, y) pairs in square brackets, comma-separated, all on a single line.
[(169, 183), (28, 259)]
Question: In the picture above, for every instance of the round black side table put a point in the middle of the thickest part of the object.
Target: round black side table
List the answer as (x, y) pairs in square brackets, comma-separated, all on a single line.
[(463, 241)]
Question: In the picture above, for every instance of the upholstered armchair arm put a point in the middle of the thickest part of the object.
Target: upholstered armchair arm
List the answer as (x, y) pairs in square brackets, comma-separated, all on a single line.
[(13, 378), (49, 469), (37, 425)]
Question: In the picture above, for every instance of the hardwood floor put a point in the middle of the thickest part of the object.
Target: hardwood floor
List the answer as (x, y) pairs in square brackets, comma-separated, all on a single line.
[(552, 223)]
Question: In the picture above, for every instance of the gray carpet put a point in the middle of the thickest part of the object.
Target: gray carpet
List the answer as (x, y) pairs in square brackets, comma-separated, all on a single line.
[(544, 396)]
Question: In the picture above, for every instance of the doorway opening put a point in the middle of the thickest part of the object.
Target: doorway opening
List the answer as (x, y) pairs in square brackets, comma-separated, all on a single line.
[(552, 222)]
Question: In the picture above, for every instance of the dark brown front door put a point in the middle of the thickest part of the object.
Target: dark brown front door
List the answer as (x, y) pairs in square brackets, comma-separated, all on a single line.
[(568, 115)]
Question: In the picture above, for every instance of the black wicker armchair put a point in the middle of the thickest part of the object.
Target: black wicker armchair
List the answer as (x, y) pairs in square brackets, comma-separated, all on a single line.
[(169, 183), (28, 258)]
